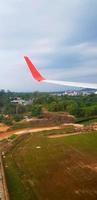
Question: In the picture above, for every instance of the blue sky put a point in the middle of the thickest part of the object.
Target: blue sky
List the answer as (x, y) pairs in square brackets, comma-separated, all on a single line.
[(60, 37)]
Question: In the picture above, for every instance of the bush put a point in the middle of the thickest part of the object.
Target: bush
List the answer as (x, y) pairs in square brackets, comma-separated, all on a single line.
[(36, 110), (7, 122), (17, 117)]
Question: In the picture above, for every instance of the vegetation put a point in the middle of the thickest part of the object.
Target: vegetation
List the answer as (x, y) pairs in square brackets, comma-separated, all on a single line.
[(12, 137), (38, 167), (60, 168), (36, 110), (82, 107)]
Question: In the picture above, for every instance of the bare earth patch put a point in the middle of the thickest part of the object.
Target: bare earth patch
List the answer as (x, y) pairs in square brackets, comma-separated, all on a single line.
[(92, 167), (3, 127), (75, 125)]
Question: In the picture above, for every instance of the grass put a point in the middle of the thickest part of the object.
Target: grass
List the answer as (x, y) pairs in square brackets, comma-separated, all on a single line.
[(58, 170), (12, 137), (86, 120), (63, 130)]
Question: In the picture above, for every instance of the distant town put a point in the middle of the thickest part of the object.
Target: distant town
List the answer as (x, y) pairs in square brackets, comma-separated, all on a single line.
[(75, 92), (84, 92)]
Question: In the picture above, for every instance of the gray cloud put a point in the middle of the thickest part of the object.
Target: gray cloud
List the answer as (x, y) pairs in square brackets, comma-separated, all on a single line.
[(60, 37)]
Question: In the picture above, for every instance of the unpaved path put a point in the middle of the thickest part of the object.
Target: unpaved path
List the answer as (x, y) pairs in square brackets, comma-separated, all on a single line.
[(35, 130), (7, 134), (3, 187), (27, 130), (75, 125), (64, 135), (2, 196)]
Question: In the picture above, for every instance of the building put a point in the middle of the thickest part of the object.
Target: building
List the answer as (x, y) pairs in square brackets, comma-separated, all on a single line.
[(20, 101)]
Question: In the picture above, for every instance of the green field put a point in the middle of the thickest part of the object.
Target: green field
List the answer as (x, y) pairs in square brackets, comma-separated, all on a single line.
[(41, 168)]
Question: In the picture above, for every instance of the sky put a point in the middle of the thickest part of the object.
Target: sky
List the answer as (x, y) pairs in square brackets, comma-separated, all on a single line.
[(59, 36)]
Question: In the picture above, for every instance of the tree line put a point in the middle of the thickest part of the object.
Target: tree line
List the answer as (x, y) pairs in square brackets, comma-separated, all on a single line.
[(79, 106)]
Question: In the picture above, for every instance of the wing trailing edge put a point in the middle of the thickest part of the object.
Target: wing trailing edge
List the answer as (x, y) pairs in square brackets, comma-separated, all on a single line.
[(36, 74), (73, 84)]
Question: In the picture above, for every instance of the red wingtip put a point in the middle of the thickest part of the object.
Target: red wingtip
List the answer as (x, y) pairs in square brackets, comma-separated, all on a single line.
[(33, 70)]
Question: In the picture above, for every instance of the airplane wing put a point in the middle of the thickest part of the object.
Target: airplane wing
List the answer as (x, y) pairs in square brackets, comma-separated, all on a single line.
[(40, 78)]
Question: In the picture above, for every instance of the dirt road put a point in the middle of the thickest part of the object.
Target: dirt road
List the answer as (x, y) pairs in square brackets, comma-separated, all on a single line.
[(64, 135), (7, 134), (2, 196), (3, 187), (27, 130), (24, 131)]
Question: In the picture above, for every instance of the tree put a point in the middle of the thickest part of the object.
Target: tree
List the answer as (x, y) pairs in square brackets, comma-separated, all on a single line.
[(90, 111), (36, 110), (73, 108)]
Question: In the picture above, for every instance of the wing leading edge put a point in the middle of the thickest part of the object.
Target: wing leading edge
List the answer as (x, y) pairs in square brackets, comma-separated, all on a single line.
[(39, 77)]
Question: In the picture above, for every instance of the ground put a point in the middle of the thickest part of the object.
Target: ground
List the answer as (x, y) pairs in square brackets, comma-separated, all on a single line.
[(66, 127), (3, 128), (42, 168)]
